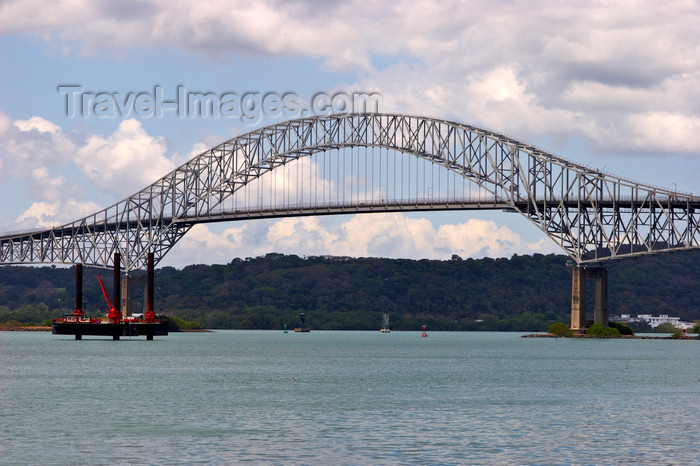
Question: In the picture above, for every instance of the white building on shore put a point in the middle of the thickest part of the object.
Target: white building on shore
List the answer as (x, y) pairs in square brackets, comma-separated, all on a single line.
[(655, 321)]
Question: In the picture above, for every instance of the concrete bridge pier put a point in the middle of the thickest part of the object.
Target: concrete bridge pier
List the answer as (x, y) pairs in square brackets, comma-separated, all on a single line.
[(578, 300), (127, 290), (578, 297), (128, 284), (600, 310)]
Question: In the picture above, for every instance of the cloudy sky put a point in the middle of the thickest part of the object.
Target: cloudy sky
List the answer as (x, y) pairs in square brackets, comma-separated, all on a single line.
[(613, 85)]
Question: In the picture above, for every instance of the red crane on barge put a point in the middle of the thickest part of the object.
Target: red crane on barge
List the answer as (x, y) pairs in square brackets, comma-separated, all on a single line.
[(114, 316)]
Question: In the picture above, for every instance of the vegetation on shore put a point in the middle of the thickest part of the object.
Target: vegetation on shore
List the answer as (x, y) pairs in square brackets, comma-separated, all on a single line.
[(523, 293), (613, 330), (176, 324), (560, 329), (601, 331)]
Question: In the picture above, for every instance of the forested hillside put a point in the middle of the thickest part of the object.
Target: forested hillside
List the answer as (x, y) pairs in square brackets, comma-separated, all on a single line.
[(522, 293)]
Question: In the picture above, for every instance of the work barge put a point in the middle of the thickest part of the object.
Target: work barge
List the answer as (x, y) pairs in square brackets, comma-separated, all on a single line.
[(117, 324)]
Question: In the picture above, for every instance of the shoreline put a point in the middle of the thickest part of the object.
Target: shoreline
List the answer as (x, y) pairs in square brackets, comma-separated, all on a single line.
[(26, 328), (41, 328), (622, 337)]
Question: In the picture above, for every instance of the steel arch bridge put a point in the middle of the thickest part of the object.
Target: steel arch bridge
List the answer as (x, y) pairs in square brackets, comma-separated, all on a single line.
[(593, 216)]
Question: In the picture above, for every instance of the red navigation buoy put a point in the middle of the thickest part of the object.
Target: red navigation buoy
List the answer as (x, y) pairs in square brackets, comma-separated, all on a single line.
[(424, 334)]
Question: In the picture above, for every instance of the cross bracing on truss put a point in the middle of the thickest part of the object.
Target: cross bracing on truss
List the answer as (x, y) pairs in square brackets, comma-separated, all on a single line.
[(593, 216)]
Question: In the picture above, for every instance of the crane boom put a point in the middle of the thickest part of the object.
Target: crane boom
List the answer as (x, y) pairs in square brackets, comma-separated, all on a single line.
[(104, 292), (113, 315)]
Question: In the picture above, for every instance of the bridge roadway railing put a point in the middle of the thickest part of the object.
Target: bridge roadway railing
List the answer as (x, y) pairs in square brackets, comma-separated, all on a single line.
[(75, 243), (349, 207), (37, 245), (483, 202)]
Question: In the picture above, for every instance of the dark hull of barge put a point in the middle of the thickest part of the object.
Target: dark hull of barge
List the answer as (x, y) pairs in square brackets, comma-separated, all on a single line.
[(123, 329)]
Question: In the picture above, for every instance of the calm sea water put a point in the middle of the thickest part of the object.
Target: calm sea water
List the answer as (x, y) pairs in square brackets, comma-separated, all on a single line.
[(347, 398)]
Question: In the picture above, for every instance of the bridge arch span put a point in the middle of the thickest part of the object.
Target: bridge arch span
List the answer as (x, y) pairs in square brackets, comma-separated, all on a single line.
[(593, 216)]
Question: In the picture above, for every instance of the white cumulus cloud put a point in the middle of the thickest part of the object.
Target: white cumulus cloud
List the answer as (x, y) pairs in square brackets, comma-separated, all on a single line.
[(391, 235), (44, 214), (126, 161), (61, 169)]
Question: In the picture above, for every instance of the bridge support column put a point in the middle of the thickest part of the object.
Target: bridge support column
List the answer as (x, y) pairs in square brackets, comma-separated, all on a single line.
[(578, 300), (128, 284), (126, 296), (117, 281), (78, 288), (149, 315), (600, 312), (578, 297), (150, 286)]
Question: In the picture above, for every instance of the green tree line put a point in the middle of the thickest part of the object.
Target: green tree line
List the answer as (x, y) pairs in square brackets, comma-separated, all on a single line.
[(523, 293)]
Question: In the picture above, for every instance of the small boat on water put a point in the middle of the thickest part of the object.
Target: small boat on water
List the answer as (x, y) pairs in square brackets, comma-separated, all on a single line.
[(385, 324)]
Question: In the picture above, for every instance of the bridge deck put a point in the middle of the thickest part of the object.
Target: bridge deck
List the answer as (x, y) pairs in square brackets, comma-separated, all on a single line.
[(362, 208)]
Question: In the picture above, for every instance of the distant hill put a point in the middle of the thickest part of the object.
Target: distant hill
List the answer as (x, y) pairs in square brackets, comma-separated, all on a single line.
[(521, 293)]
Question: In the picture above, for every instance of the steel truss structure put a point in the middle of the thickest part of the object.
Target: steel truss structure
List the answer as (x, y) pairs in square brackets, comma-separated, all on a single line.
[(593, 216)]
